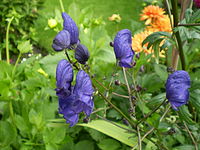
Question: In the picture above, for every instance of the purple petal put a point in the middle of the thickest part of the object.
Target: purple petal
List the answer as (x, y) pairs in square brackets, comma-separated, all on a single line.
[(81, 54), (71, 27), (177, 88), (64, 77), (83, 91), (122, 48), (61, 41)]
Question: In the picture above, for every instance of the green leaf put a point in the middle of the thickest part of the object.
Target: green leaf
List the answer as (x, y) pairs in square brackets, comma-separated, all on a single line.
[(184, 147), (25, 47), (83, 145), (20, 123), (110, 144), (113, 131), (161, 71), (8, 134), (185, 115), (195, 99)]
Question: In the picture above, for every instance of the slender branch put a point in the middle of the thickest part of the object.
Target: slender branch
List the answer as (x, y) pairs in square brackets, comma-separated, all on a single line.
[(178, 38), (74, 64), (191, 136), (169, 12), (139, 139), (124, 96), (189, 24), (129, 91), (16, 63), (116, 108), (7, 41), (61, 5), (149, 114), (152, 129)]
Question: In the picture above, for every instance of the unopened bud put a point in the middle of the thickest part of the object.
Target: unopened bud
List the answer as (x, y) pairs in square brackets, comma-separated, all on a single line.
[(117, 82)]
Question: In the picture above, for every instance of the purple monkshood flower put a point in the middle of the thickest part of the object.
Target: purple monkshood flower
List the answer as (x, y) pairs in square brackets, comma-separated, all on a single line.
[(61, 41), (64, 77), (197, 3), (79, 98), (123, 49), (71, 27), (177, 88), (81, 54)]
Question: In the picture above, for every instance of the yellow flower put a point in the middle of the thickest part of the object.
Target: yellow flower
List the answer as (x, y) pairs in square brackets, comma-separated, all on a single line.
[(42, 72), (151, 13), (137, 40), (115, 17), (52, 23)]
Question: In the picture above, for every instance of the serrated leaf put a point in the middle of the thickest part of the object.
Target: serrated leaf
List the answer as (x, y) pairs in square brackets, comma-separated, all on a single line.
[(8, 134), (185, 115), (113, 131), (161, 71), (86, 144), (25, 47)]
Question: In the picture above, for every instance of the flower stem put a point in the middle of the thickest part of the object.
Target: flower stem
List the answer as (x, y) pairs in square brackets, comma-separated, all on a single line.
[(61, 5), (129, 91), (7, 41), (178, 38), (16, 63)]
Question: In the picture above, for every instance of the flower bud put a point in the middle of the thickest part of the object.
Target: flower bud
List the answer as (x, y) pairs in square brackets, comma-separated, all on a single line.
[(52, 23), (81, 54), (177, 88), (61, 41)]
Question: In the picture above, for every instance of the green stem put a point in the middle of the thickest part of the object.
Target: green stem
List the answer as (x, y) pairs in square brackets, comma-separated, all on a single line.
[(117, 109), (11, 112), (129, 91), (178, 38), (16, 63), (61, 5), (7, 41), (189, 24)]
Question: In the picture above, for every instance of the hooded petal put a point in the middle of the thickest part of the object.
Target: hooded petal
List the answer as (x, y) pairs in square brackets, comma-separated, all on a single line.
[(177, 88), (61, 41), (83, 91), (81, 54), (64, 77), (71, 27), (122, 48)]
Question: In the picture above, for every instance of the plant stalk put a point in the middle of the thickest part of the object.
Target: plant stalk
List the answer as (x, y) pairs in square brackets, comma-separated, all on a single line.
[(7, 41), (178, 38)]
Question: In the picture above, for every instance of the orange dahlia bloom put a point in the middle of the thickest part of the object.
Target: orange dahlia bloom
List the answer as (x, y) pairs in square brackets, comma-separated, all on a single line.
[(137, 40), (151, 13), (161, 24)]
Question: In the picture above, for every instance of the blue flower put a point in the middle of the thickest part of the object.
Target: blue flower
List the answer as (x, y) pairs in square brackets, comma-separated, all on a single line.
[(81, 54), (64, 77), (71, 27), (78, 98), (61, 41), (83, 91), (177, 88), (123, 49)]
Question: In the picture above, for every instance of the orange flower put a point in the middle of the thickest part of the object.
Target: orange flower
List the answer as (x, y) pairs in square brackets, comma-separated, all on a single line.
[(137, 40), (151, 13), (161, 24)]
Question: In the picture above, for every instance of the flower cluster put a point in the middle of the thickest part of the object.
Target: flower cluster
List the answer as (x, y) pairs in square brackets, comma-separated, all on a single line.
[(122, 48), (68, 38), (155, 21), (73, 99), (177, 88), (79, 98), (197, 3)]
